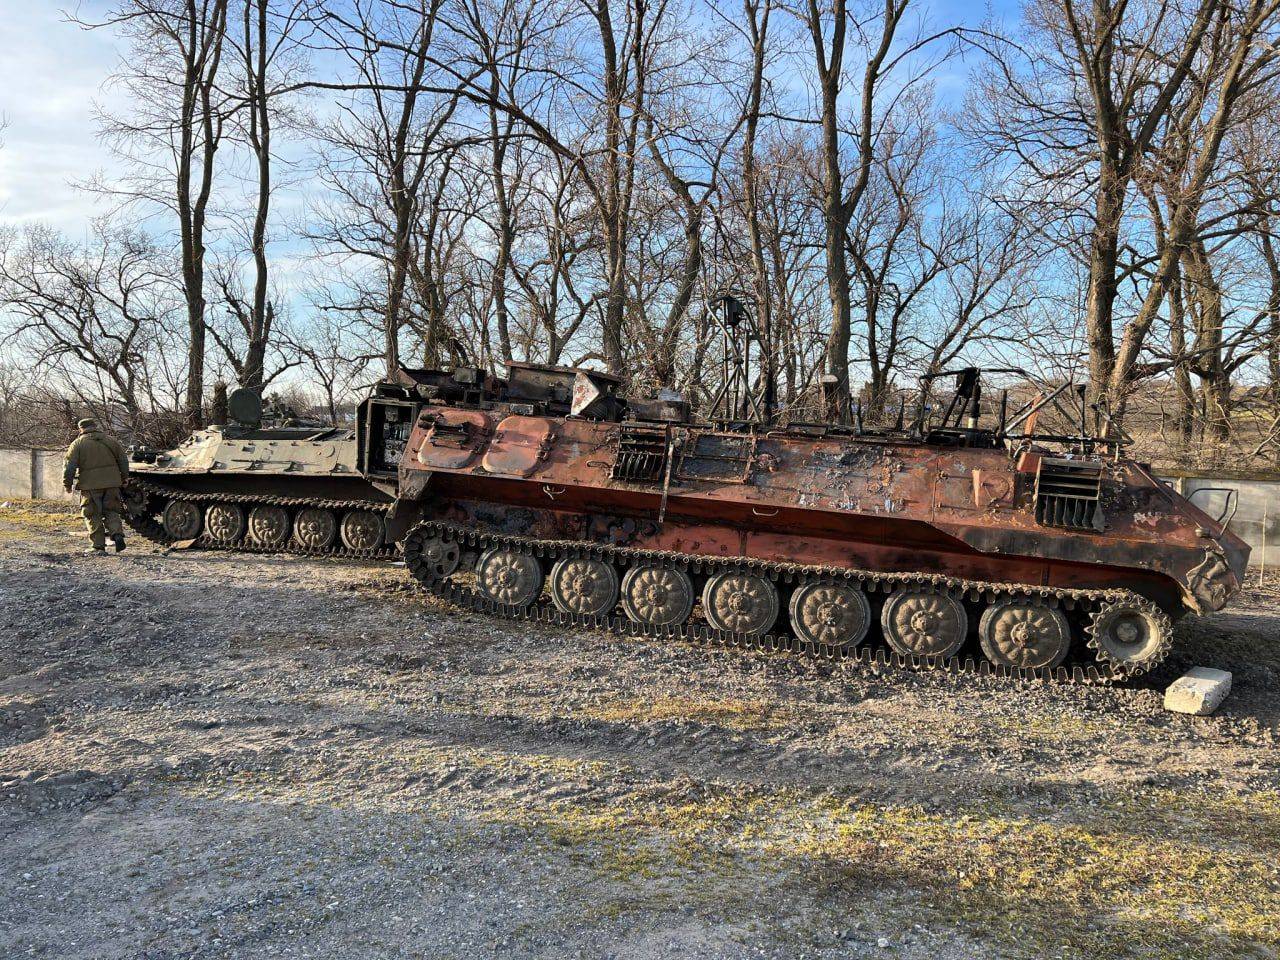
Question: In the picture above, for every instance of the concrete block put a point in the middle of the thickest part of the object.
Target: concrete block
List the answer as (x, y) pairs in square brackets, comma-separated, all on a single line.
[(49, 469), (16, 469), (1199, 691)]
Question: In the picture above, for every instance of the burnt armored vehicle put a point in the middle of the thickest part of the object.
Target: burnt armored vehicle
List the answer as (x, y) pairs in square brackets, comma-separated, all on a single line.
[(549, 495), (249, 486)]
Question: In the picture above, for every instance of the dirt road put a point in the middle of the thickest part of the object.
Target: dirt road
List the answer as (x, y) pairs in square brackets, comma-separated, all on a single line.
[(207, 755)]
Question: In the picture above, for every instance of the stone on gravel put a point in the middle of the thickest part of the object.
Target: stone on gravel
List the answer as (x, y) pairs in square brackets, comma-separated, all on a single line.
[(1199, 691)]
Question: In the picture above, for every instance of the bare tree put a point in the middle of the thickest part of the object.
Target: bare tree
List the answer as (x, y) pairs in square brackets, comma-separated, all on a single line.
[(844, 180), (337, 357), (1092, 97), (97, 321), (172, 135), (380, 154), (266, 43)]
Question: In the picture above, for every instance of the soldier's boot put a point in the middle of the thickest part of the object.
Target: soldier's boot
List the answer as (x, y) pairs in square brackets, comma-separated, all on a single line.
[(118, 540)]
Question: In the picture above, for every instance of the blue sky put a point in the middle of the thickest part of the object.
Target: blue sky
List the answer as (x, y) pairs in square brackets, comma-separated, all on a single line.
[(51, 74)]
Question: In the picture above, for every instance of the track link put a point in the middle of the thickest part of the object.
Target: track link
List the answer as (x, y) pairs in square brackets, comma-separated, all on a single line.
[(144, 500), (472, 540)]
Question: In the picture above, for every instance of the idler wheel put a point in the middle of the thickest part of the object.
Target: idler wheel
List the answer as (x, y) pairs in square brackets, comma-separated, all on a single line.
[(268, 526), (362, 530), (583, 586), (509, 577), (315, 529), (740, 602), (1024, 633), (432, 557), (224, 522), (657, 595), (1132, 636), (921, 623), (181, 519), (835, 614)]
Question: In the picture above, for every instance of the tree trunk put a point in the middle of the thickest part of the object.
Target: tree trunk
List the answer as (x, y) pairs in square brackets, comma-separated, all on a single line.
[(1183, 391), (1100, 302), (759, 31), (612, 214), (504, 229), (260, 141), (1208, 341), (205, 32)]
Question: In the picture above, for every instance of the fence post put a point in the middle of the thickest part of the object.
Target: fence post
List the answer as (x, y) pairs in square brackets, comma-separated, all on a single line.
[(35, 473), (1262, 570)]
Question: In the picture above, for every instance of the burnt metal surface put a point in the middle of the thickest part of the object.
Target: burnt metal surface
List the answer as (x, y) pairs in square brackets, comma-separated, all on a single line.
[(887, 504), (557, 464), (1089, 603)]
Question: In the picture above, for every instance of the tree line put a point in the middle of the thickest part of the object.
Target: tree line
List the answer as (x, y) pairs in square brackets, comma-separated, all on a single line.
[(308, 192)]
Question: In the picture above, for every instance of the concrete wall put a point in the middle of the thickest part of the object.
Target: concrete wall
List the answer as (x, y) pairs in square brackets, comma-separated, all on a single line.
[(49, 476), (35, 474), (15, 473), (1257, 517)]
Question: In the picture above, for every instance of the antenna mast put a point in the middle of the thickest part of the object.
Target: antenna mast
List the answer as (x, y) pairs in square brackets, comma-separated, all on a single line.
[(737, 399)]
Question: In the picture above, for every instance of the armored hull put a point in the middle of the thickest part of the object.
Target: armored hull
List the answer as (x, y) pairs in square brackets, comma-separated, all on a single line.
[(278, 488), (1034, 557), (548, 495)]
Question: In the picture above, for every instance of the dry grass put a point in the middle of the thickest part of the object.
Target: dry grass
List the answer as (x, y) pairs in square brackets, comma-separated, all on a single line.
[(1068, 889), (19, 517), (1154, 873), (733, 712)]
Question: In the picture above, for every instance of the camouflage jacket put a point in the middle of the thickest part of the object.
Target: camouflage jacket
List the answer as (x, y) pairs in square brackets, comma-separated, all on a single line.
[(97, 460)]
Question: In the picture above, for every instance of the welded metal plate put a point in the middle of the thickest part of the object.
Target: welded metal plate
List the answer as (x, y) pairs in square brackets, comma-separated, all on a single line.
[(518, 446), (454, 438), (718, 457)]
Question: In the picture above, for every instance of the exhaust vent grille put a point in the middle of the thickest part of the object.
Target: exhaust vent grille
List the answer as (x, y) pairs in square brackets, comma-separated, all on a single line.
[(1069, 494), (642, 454)]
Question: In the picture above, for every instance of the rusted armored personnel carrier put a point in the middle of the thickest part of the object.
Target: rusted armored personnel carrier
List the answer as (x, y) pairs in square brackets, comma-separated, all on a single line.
[(247, 486), (549, 495)]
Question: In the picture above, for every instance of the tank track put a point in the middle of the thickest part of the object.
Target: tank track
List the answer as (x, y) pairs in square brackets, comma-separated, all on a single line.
[(144, 521), (1103, 672)]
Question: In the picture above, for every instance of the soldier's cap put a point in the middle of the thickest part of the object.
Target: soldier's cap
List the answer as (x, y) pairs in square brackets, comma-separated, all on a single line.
[(88, 423)]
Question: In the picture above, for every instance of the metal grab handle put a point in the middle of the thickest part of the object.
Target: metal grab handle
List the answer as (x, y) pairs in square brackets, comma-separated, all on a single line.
[(1228, 509), (552, 492), (764, 513)]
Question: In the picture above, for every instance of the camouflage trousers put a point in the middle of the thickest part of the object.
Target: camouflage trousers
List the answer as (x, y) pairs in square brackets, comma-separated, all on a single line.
[(102, 510)]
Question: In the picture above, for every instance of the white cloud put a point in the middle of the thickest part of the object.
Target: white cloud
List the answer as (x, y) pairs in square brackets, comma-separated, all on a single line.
[(51, 74)]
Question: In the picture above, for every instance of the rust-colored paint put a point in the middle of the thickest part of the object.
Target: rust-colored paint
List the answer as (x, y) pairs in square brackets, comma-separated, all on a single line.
[(856, 502), (518, 446)]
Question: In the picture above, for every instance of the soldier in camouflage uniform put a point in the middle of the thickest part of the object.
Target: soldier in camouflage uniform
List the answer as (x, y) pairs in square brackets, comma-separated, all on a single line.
[(97, 465)]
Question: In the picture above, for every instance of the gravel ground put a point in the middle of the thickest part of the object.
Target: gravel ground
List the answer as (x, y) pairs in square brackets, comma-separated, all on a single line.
[(206, 755)]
